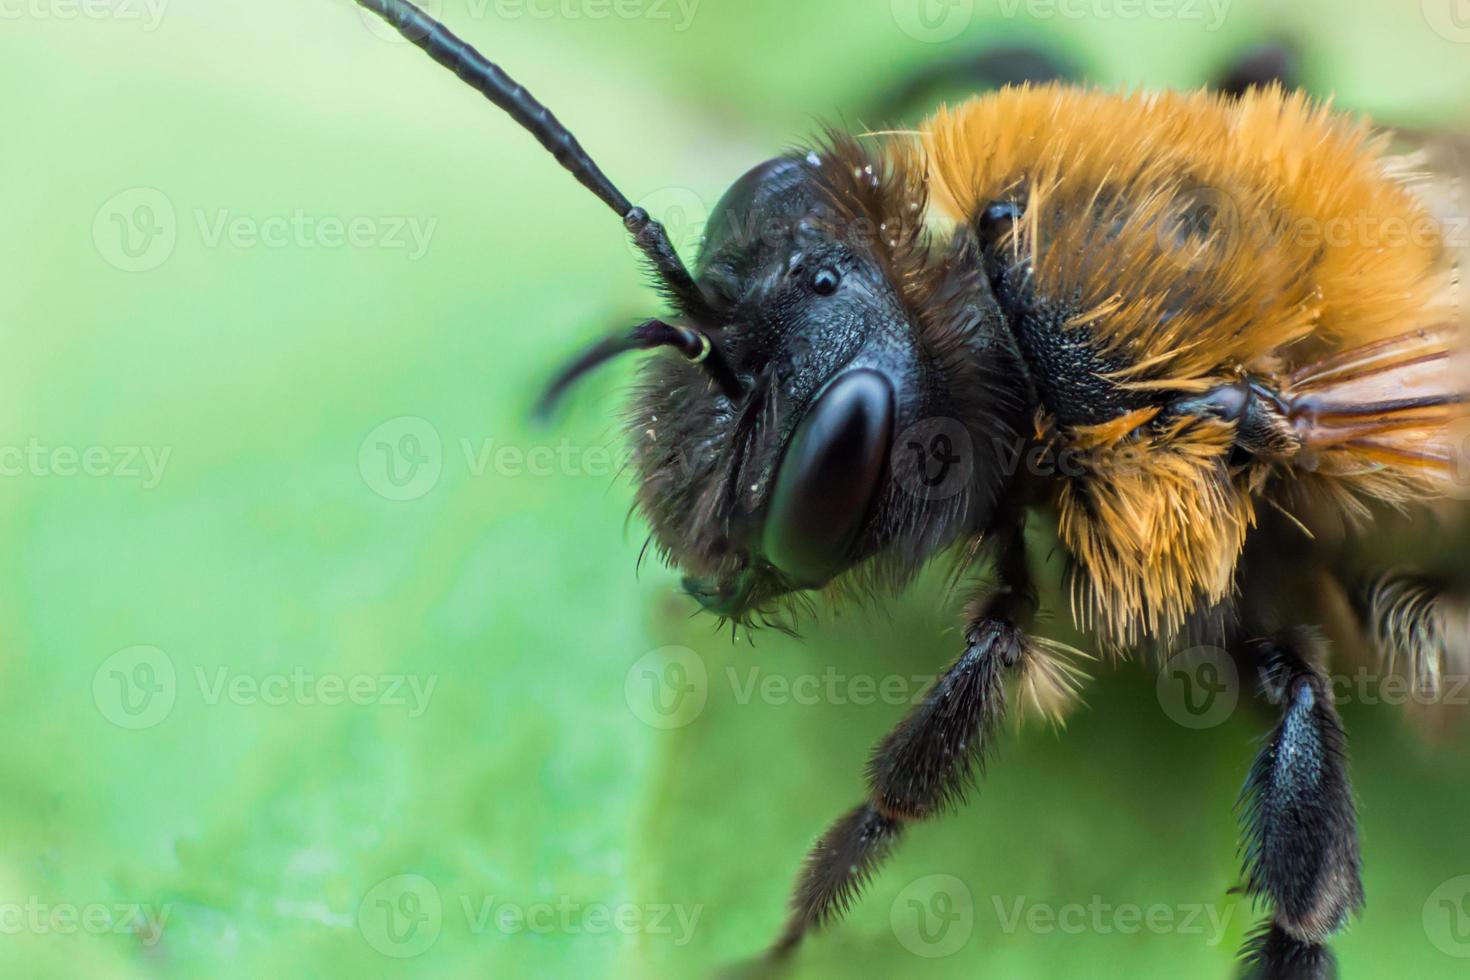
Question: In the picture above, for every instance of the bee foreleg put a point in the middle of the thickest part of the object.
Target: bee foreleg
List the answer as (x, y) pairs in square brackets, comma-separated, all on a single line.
[(1301, 844), (926, 763)]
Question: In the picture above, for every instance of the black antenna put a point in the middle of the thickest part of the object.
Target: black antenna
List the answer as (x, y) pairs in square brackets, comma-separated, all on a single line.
[(487, 78)]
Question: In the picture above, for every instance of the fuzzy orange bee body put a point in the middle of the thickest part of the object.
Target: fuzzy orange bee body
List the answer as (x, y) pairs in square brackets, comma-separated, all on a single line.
[(1195, 241)]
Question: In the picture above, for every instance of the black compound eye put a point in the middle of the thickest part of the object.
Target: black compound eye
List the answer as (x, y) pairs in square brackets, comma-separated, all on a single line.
[(829, 477), (825, 282)]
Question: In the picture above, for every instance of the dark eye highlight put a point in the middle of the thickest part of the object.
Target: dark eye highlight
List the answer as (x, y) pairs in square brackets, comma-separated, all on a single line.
[(824, 283)]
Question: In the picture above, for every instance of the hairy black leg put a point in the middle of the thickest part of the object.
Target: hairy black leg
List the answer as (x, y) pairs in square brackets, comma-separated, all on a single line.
[(1301, 835), (925, 764)]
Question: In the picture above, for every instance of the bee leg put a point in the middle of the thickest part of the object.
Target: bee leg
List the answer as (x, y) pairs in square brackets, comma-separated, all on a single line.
[(924, 765), (1301, 843)]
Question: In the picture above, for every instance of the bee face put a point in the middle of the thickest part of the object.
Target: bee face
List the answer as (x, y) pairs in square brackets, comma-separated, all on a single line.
[(791, 485)]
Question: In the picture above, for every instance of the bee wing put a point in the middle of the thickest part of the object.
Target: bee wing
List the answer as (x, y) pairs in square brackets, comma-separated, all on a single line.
[(1399, 402)]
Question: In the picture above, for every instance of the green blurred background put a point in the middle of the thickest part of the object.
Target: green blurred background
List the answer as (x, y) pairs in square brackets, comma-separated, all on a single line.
[(319, 661)]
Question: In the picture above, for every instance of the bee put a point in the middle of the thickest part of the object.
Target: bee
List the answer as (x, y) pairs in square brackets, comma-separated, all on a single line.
[(1221, 330)]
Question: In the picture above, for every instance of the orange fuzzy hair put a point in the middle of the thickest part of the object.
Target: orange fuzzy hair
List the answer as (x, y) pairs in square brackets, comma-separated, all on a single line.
[(1203, 239)]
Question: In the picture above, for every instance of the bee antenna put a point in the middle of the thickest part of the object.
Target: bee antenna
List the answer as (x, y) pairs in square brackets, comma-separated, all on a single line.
[(489, 80), (693, 344)]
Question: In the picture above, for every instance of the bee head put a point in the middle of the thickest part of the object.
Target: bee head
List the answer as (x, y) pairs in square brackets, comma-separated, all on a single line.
[(815, 267), (812, 337)]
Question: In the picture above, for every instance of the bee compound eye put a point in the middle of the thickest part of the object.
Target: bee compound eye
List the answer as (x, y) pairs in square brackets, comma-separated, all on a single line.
[(829, 477)]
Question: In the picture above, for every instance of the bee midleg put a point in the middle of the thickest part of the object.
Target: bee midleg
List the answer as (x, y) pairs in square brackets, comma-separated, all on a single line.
[(1300, 826), (927, 762)]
